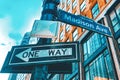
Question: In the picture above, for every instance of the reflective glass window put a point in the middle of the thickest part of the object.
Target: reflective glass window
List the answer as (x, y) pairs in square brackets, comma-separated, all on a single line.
[(68, 27), (118, 10), (115, 18), (92, 44), (95, 10), (101, 68)]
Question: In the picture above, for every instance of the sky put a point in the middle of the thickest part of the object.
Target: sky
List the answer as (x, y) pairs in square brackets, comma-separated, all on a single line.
[(16, 18)]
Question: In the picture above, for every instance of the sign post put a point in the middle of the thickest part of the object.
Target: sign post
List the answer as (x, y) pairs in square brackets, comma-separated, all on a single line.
[(46, 15), (40, 72)]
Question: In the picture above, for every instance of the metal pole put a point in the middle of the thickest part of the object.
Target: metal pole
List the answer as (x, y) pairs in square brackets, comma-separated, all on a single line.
[(41, 71)]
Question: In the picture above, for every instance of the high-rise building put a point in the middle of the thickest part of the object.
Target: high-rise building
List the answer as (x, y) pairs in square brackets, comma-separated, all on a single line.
[(99, 54), (25, 41)]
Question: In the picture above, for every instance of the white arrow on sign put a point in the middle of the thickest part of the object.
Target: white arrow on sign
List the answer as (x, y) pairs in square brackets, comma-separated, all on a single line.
[(29, 53)]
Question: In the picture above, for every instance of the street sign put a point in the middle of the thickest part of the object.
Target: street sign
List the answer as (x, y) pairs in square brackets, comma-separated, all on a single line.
[(54, 68), (44, 54), (83, 22)]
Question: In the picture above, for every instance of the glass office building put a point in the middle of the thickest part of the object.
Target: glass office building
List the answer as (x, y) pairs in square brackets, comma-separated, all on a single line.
[(99, 54)]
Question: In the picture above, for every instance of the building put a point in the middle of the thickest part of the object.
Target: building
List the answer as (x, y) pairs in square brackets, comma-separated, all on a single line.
[(99, 54), (14, 76)]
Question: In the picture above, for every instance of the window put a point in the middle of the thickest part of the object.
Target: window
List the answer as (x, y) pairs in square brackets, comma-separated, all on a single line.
[(92, 44), (118, 11), (68, 2), (87, 76), (67, 27), (83, 5), (95, 10), (74, 66), (115, 21), (118, 42), (101, 68), (115, 18), (61, 35), (75, 35), (74, 4)]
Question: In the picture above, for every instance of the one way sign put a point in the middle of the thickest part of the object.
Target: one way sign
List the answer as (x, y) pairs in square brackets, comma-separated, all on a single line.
[(42, 54), (29, 53)]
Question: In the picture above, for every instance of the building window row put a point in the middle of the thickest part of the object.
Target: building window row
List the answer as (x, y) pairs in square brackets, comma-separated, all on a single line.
[(101, 68), (91, 45), (115, 18), (115, 21)]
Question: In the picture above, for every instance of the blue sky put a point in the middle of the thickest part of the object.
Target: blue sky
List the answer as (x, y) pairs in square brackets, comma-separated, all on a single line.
[(16, 18)]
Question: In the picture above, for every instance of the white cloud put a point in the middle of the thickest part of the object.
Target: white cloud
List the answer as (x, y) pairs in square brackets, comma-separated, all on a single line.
[(3, 53), (4, 76), (4, 39), (5, 30)]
